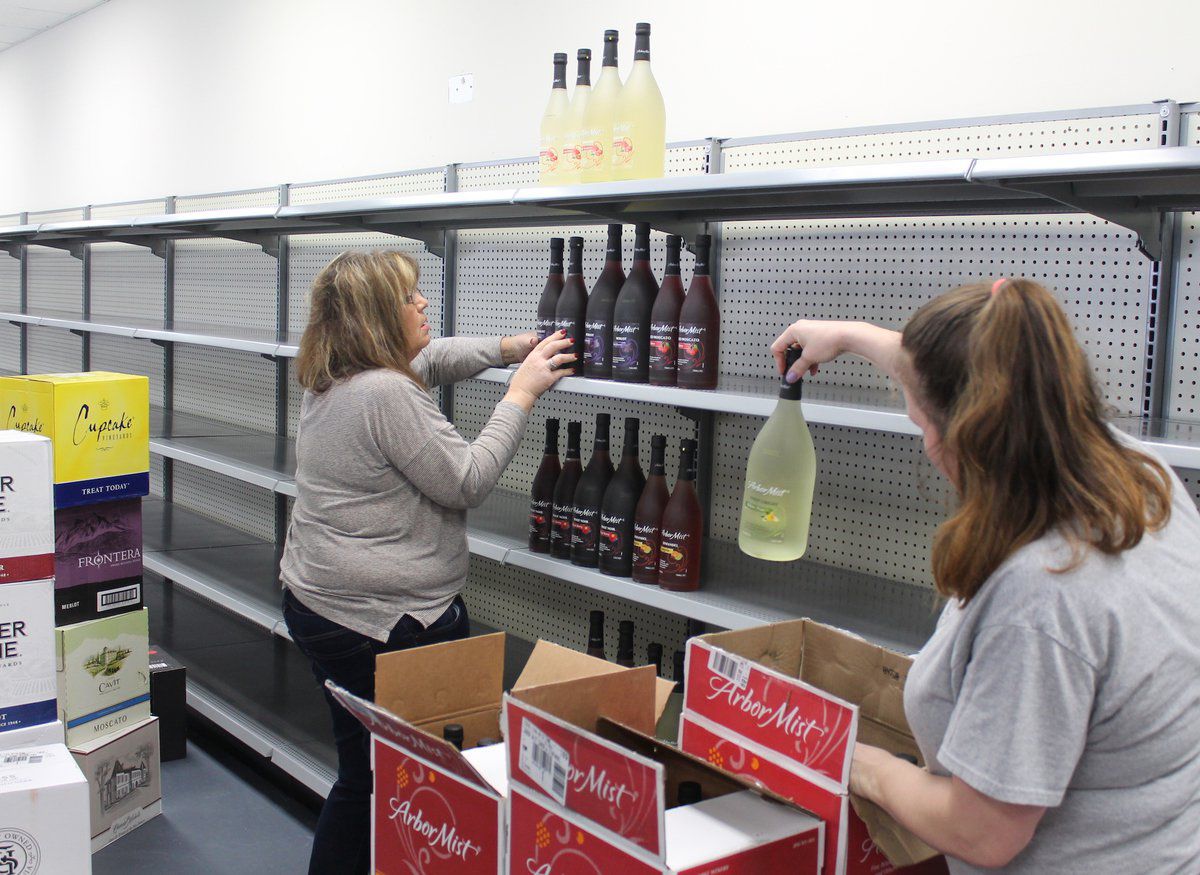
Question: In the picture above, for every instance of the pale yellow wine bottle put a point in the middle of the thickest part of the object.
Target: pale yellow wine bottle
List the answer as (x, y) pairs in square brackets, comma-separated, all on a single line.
[(596, 138), (640, 125), (553, 121), (780, 476), (573, 126)]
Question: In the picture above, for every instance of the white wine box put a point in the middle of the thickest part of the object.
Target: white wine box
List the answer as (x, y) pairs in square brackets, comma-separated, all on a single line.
[(103, 675), (26, 507), (27, 681), (43, 813), (33, 736), (124, 780)]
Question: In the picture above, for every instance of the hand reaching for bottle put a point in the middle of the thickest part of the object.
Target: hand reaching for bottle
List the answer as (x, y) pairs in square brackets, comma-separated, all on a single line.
[(517, 348), (544, 366), (825, 340)]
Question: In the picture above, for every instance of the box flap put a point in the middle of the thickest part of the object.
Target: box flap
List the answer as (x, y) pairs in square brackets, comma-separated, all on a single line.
[(435, 682), (900, 846), (626, 695)]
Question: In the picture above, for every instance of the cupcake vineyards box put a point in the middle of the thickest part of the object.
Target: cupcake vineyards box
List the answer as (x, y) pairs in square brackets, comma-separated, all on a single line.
[(103, 675), (26, 507)]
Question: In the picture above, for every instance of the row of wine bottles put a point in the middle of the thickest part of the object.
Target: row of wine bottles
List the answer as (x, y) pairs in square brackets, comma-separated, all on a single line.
[(622, 522), (630, 328), (612, 131)]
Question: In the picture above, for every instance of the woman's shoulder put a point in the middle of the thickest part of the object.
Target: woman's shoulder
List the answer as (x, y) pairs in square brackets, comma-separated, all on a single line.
[(376, 383)]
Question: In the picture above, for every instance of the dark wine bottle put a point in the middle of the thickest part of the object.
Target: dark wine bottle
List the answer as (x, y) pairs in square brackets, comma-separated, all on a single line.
[(617, 509), (564, 495), (699, 326), (585, 517), (689, 793), (597, 353), (595, 646), (654, 656), (546, 324), (453, 733), (647, 517), (541, 500), (682, 529), (571, 311), (631, 315), (664, 319), (625, 643)]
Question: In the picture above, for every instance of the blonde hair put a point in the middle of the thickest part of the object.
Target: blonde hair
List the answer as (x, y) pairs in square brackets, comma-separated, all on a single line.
[(1010, 389), (355, 320)]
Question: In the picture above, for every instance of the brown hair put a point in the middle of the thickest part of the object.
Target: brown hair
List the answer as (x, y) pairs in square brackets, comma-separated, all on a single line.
[(355, 322), (1009, 388)]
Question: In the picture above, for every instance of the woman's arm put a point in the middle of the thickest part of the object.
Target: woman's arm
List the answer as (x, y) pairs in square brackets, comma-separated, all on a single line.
[(825, 340), (450, 359), (947, 813)]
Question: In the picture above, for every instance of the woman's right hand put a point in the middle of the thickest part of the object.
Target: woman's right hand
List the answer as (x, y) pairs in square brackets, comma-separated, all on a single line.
[(545, 365), (822, 341)]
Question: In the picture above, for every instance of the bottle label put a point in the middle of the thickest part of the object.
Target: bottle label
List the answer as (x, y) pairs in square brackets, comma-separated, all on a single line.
[(614, 537), (540, 515), (674, 553), (572, 158), (584, 525), (763, 511), (546, 327), (548, 159), (560, 527), (625, 346), (663, 340), (691, 352), (598, 341), (591, 149), (645, 549), (622, 144)]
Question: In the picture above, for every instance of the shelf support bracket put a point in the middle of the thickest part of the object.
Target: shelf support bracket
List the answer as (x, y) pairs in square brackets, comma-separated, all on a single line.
[(433, 238), (74, 247), (156, 245), (16, 250), (268, 242)]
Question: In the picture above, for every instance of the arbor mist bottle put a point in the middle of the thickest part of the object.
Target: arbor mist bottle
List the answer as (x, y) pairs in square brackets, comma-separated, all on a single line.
[(541, 500), (564, 495), (780, 476), (548, 303), (617, 511), (664, 319), (640, 122), (597, 133), (573, 125), (589, 493), (699, 326), (571, 311), (631, 315), (553, 119), (597, 348), (682, 529), (647, 518)]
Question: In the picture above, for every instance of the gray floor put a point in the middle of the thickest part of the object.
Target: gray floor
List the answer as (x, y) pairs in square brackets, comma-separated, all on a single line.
[(219, 815)]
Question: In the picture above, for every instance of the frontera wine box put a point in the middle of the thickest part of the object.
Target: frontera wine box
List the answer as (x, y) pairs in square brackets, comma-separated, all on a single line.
[(97, 560), (27, 683), (103, 675), (26, 507), (99, 423), (124, 780)]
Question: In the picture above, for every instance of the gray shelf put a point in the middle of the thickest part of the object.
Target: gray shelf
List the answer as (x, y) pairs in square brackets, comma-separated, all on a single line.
[(263, 460)]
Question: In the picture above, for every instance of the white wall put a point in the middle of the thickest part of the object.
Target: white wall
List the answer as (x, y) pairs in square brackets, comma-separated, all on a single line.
[(142, 98)]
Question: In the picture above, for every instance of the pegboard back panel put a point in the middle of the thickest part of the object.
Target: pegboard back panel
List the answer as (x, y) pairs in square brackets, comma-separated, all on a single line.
[(1182, 395), (390, 185), (534, 607), (10, 348), (226, 284), (129, 208), (156, 475), (126, 356), (10, 282), (233, 387), (53, 351), (127, 282), (55, 280), (258, 197), (69, 214), (247, 508)]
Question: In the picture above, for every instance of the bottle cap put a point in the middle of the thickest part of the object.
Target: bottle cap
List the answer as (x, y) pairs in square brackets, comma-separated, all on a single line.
[(659, 441), (642, 28), (560, 57), (556, 244), (574, 428), (687, 444), (584, 55), (602, 419), (791, 391), (576, 241), (610, 36)]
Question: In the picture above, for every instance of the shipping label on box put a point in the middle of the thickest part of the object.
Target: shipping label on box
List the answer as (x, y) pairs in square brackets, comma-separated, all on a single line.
[(43, 813), (27, 676), (124, 780), (99, 423), (96, 543), (103, 675), (26, 507)]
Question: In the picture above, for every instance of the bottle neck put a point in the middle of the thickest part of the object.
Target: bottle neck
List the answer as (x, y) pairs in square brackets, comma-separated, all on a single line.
[(686, 470), (701, 268), (641, 47), (641, 246), (575, 262), (610, 52), (596, 632), (672, 257), (791, 391), (560, 75), (601, 444), (584, 75), (573, 445), (556, 260), (612, 251), (658, 467), (630, 448), (552, 439)]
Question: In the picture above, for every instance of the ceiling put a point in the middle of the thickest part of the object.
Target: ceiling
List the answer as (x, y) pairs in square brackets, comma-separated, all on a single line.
[(22, 19)]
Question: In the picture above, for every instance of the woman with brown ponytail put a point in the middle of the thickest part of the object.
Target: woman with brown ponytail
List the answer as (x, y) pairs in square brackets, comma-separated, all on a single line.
[(1057, 704)]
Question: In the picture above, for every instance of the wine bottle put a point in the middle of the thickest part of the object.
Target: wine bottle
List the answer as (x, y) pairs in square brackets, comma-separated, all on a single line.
[(647, 517), (640, 122), (595, 645), (631, 315), (664, 319), (625, 643), (667, 728), (573, 126), (597, 352), (541, 502), (617, 510), (453, 733), (699, 326), (780, 475), (571, 310), (689, 793), (585, 516), (596, 138), (654, 656), (553, 119), (548, 303), (682, 529), (564, 495)]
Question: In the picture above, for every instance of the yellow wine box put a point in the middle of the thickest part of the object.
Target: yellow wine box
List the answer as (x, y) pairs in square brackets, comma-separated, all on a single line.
[(99, 423)]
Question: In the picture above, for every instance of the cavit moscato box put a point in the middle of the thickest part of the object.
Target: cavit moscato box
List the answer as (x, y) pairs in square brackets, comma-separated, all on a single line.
[(97, 560), (27, 681), (124, 780), (43, 813), (103, 675), (26, 507), (783, 705), (99, 423)]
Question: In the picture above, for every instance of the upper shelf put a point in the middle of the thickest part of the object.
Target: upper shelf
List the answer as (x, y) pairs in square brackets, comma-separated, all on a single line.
[(1130, 188)]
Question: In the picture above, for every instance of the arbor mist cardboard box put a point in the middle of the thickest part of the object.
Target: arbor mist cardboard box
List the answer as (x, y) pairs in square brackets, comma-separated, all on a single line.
[(97, 560), (26, 507), (43, 812), (27, 677), (784, 705), (103, 675), (99, 423), (124, 780)]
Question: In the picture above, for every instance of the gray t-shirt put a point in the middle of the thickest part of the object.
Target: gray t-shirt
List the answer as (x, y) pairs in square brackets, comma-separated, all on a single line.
[(1080, 692)]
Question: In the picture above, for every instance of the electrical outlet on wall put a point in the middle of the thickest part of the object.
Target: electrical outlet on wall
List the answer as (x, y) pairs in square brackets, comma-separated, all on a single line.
[(462, 88)]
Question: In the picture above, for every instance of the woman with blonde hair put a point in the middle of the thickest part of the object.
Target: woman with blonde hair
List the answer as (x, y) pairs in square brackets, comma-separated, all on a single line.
[(1056, 705), (376, 551)]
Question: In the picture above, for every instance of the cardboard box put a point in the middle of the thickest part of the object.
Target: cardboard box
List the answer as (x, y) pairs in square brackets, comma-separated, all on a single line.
[(97, 560), (124, 778), (784, 705), (27, 680), (103, 675), (433, 811), (100, 425), (168, 702), (26, 507), (33, 736), (43, 813)]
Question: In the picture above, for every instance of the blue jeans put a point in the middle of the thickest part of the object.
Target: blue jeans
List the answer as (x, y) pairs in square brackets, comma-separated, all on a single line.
[(342, 843)]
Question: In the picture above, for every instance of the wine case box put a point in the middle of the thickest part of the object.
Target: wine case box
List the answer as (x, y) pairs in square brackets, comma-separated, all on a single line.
[(168, 702), (432, 810), (43, 813), (124, 776), (103, 675), (90, 601), (594, 798), (96, 543), (33, 736), (26, 507), (100, 425), (27, 677), (784, 705)]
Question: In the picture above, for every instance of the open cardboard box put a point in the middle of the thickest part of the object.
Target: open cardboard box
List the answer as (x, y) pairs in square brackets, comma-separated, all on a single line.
[(434, 810), (784, 705)]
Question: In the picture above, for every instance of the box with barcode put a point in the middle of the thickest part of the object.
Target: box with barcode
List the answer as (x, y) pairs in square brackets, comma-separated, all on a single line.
[(27, 670), (33, 736), (43, 813), (97, 560), (26, 507), (103, 675), (123, 772)]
